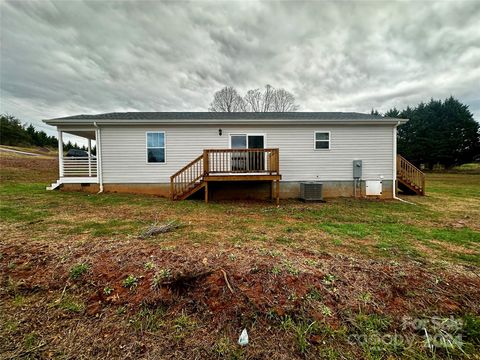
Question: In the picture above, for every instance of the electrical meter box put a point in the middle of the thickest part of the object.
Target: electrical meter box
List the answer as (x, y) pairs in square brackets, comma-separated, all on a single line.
[(357, 169)]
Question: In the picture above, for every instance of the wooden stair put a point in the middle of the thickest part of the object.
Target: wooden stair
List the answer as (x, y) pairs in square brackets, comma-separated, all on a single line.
[(410, 178), (188, 180)]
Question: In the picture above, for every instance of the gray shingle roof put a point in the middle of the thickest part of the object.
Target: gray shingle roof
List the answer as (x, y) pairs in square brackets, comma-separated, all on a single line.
[(226, 116)]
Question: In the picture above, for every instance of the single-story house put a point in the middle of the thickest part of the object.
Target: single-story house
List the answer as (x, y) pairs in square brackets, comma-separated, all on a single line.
[(236, 155)]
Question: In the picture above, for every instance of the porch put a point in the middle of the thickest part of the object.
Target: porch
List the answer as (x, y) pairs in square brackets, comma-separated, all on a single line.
[(77, 169), (215, 165)]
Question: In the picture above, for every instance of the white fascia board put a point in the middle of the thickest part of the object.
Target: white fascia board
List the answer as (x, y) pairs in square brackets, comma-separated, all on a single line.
[(130, 122)]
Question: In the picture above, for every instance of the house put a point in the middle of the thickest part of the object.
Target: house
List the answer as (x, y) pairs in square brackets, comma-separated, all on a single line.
[(236, 155)]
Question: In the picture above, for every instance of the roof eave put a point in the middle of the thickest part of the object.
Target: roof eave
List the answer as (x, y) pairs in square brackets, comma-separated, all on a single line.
[(68, 122)]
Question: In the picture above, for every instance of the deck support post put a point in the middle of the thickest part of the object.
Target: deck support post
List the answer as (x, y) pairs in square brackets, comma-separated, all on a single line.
[(206, 192), (89, 157), (60, 153), (277, 192)]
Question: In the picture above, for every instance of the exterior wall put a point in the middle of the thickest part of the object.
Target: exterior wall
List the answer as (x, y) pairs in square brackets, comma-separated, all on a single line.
[(237, 190), (123, 151)]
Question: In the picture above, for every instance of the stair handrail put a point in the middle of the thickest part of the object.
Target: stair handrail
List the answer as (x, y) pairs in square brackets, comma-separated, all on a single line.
[(409, 172), (186, 177)]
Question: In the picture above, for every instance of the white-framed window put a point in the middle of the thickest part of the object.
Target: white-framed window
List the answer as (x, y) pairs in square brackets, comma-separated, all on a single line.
[(156, 147), (321, 140)]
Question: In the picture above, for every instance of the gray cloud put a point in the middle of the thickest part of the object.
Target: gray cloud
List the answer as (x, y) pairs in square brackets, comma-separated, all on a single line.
[(67, 57)]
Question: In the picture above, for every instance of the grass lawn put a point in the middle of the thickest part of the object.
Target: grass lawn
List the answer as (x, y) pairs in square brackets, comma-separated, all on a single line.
[(331, 280)]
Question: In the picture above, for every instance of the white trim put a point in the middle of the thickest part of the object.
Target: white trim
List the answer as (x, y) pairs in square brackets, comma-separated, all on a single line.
[(79, 180), (98, 142), (315, 140), (90, 157), (60, 153), (394, 181), (164, 147)]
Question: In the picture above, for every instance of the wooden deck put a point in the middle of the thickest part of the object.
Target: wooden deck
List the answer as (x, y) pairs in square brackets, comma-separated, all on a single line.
[(227, 165)]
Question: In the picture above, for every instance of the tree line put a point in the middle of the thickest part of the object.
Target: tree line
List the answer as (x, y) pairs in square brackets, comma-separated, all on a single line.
[(438, 132), (14, 133)]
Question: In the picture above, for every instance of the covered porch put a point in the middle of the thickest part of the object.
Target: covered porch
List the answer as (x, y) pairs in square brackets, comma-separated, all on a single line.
[(78, 168)]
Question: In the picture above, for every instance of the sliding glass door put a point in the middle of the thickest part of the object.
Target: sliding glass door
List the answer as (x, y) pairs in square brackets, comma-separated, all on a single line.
[(250, 161)]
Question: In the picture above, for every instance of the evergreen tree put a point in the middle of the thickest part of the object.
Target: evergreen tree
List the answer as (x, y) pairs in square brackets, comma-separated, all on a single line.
[(441, 132)]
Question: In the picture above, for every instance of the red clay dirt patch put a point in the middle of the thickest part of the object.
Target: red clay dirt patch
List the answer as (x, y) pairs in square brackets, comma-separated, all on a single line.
[(191, 282)]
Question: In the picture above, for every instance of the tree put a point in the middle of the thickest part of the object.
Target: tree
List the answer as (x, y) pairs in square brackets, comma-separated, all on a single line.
[(12, 132), (438, 132), (227, 100), (255, 100)]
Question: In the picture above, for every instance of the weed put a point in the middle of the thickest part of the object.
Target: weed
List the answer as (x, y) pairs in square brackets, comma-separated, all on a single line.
[(71, 304), (183, 324), (365, 298), (78, 270), (149, 265), (314, 295), (148, 320), (326, 311), (276, 270), (107, 290), (30, 340), (290, 268), (471, 328), (311, 262), (18, 300), (130, 282), (160, 276), (302, 330), (329, 279), (232, 257), (222, 346), (371, 323)]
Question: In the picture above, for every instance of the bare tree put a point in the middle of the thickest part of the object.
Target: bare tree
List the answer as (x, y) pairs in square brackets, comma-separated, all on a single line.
[(284, 101), (268, 100), (253, 100), (227, 100)]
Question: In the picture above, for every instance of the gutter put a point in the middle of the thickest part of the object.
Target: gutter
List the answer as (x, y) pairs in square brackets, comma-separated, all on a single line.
[(99, 157), (223, 122)]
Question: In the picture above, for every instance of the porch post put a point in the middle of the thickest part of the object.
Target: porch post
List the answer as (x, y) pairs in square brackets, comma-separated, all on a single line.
[(89, 157), (60, 153)]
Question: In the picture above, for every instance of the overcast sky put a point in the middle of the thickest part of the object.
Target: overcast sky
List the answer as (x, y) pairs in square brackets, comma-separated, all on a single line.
[(68, 57)]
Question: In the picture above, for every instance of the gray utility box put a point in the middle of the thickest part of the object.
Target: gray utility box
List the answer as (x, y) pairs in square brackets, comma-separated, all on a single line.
[(357, 169), (311, 191)]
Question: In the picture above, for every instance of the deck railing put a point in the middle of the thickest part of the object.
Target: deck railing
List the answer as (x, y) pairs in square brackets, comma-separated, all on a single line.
[(226, 162), (79, 166), (241, 161)]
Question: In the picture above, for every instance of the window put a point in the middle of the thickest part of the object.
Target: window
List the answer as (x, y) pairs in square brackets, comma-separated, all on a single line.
[(155, 147), (322, 140)]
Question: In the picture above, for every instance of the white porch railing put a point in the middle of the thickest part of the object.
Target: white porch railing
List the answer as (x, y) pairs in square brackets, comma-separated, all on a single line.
[(83, 166)]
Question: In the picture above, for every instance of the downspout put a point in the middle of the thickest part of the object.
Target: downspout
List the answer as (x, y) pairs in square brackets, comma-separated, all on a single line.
[(99, 157), (394, 183)]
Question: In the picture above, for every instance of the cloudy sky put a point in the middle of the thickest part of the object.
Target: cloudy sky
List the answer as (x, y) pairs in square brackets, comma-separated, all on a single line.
[(71, 57)]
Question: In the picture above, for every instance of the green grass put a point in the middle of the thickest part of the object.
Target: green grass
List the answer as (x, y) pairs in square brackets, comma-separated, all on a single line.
[(429, 229)]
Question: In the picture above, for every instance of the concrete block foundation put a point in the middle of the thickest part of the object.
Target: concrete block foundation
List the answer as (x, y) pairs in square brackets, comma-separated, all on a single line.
[(237, 190)]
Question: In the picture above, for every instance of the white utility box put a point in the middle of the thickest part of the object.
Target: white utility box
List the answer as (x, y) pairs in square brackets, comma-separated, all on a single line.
[(373, 187)]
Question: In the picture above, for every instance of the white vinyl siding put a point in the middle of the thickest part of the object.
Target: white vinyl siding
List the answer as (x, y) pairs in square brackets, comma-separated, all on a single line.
[(123, 150)]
